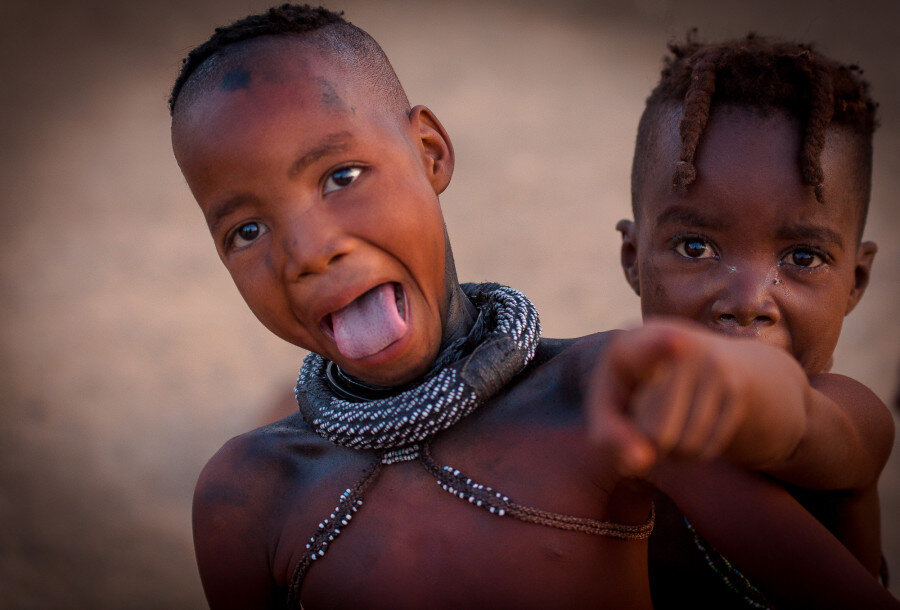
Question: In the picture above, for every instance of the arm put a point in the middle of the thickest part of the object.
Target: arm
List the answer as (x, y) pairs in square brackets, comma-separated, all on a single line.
[(769, 537), (848, 438), (676, 388), (230, 538)]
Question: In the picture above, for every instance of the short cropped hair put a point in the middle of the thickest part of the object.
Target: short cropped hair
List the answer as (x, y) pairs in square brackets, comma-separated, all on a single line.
[(327, 29), (768, 76)]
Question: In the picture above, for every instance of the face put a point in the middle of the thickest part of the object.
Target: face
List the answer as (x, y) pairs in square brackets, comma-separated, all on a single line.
[(747, 250), (323, 206)]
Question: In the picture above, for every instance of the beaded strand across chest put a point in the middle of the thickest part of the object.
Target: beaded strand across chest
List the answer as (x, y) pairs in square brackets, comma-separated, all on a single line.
[(399, 427)]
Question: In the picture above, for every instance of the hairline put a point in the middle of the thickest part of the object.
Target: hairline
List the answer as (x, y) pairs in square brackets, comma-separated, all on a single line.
[(646, 153), (367, 55)]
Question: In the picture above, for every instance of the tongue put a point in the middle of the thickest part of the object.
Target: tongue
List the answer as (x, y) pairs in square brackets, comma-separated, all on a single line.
[(369, 324)]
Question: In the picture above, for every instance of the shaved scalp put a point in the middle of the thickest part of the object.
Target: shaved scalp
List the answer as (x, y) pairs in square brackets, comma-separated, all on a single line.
[(765, 76), (227, 60)]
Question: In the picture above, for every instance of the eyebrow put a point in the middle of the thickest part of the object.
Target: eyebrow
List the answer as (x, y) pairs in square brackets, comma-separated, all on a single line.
[(330, 144), (811, 233), (221, 211), (684, 215)]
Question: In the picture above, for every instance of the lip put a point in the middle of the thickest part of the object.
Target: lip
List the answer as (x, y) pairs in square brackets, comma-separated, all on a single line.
[(749, 333), (767, 334)]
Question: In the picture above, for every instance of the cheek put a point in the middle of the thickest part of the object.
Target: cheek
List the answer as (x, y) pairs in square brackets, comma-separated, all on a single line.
[(253, 280), (662, 293), (814, 330)]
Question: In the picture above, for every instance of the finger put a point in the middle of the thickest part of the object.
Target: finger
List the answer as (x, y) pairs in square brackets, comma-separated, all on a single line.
[(661, 409), (702, 418), (609, 388), (632, 454), (726, 425)]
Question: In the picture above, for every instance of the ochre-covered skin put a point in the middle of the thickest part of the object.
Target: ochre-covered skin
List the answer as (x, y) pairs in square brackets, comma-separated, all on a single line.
[(749, 253), (315, 193), (267, 154), (412, 544)]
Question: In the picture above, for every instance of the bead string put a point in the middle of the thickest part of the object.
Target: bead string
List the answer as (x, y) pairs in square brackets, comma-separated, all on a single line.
[(729, 574), (330, 527), (455, 482)]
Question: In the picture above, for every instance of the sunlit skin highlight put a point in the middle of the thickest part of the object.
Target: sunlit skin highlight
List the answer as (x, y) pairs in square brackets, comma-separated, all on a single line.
[(311, 204)]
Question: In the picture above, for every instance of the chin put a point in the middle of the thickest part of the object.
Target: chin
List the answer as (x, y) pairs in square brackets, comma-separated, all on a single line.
[(392, 366)]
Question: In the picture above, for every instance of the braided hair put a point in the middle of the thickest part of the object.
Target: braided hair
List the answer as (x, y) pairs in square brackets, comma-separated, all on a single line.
[(331, 31), (768, 76)]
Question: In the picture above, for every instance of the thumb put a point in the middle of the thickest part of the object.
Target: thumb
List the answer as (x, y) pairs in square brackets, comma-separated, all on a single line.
[(624, 445)]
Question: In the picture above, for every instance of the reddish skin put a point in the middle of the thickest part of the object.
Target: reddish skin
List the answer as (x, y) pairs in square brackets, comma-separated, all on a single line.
[(262, 495), (767, 274), (320, 249)]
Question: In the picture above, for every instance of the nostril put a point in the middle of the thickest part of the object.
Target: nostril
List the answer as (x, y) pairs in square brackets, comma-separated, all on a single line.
[(727, 317)]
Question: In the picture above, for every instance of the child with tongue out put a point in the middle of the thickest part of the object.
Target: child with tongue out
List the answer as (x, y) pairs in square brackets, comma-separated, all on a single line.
[(320, 187)]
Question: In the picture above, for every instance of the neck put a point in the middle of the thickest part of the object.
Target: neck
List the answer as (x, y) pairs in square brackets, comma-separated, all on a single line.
[(461, 315)]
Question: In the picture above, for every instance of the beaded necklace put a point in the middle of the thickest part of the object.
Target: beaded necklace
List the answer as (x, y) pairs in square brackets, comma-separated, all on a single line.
[(400, 425), (449, 393)]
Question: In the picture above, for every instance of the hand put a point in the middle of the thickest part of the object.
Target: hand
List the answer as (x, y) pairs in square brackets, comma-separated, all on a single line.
[(668, 388)]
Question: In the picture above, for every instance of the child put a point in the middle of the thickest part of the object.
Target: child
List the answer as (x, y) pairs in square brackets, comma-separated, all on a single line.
[(757, 236), (320, 187)]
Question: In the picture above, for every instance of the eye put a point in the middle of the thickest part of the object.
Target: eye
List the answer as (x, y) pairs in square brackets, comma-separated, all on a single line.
[(246, 234), (804, 257), (341, 178), (694, 247)]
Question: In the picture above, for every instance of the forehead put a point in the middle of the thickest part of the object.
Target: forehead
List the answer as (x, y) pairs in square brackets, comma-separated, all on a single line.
[(271, 74), (747, 161), (274, 98)]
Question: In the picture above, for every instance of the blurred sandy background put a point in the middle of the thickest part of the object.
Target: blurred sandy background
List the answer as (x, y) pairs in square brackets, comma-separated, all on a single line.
[(128, 357)]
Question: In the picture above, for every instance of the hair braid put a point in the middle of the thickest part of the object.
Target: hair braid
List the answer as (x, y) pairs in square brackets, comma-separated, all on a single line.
[(820, 112), (696, 114), (768, 77)]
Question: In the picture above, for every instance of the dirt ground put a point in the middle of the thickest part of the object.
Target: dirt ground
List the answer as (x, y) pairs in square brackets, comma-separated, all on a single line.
[(128, 357)]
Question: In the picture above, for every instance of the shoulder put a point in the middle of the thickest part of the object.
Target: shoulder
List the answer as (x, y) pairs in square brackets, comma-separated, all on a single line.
[(555, 382), (240, 483), (247, 461), (570, 360), (244, 498), (871, 418)]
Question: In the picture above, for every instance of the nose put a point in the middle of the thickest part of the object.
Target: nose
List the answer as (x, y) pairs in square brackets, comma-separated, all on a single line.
[(312, 243), (746, 299)]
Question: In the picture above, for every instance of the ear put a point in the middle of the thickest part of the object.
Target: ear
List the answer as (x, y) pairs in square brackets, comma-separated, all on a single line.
[(864, 257), (435, 147), (629, 254)]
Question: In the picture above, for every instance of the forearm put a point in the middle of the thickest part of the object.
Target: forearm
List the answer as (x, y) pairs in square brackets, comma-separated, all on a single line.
[(770, 538), (675, 388), (773, 396), (846, 442)]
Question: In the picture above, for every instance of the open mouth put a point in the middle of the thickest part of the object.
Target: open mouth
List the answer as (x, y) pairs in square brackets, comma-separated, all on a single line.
[(373, 321)]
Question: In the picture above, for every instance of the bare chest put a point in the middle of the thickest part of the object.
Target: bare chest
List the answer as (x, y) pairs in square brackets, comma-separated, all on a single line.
[(419, 541)]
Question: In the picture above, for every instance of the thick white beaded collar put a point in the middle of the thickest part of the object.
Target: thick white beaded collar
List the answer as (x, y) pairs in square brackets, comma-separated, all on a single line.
[(448, 394)]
